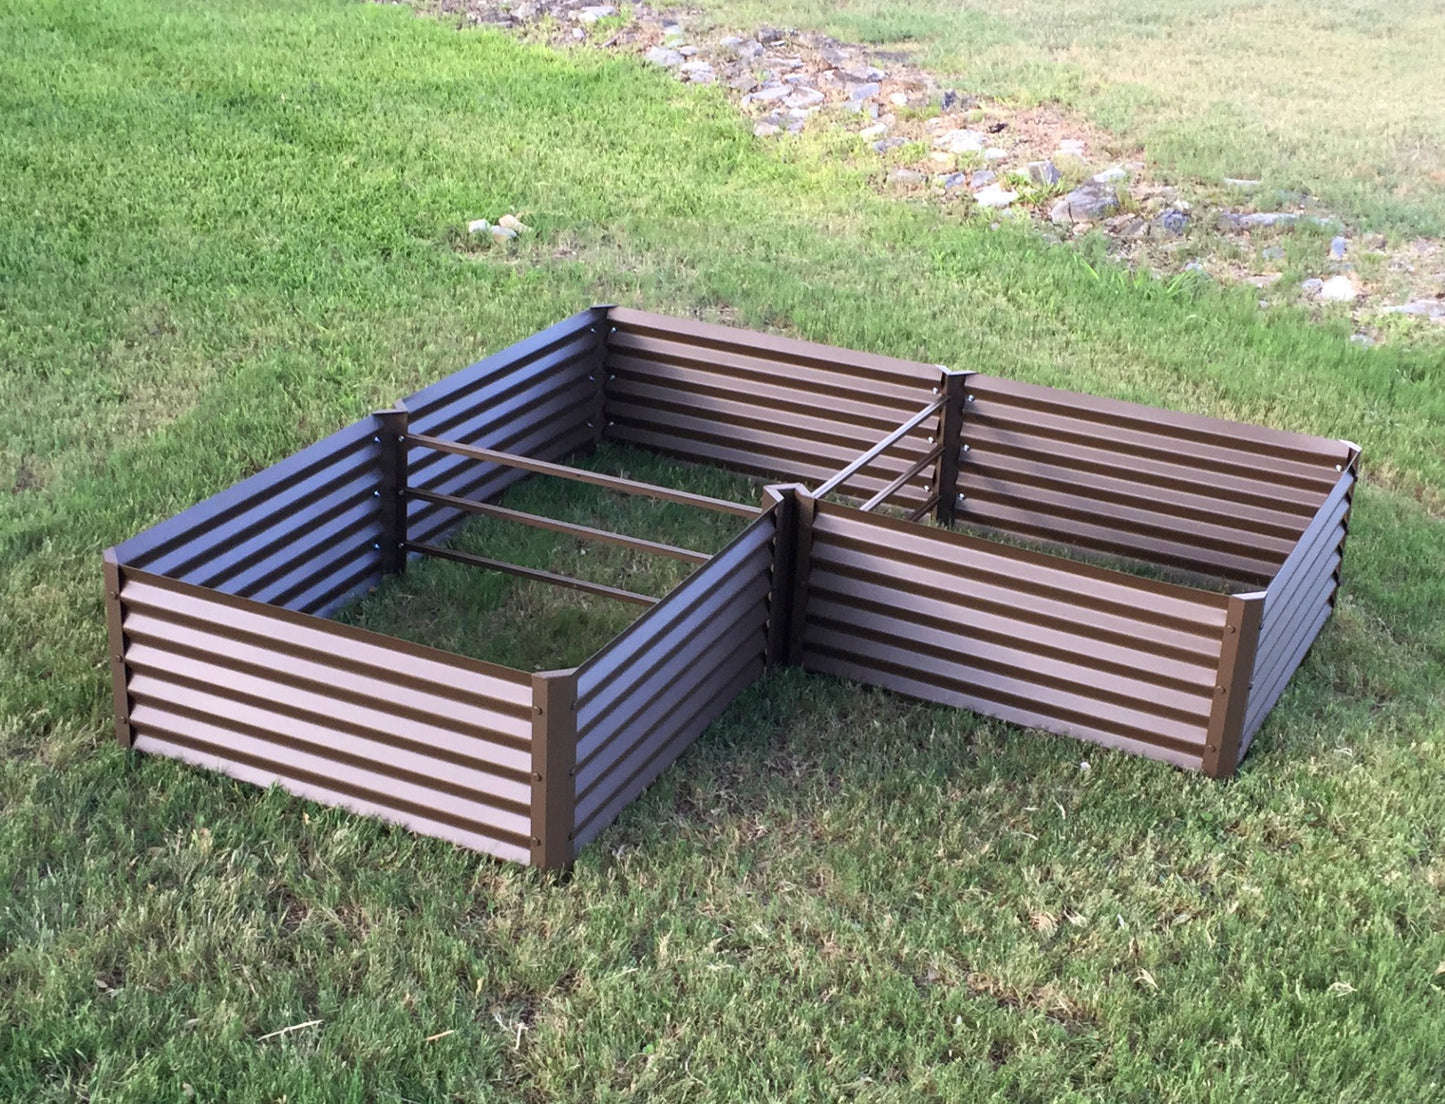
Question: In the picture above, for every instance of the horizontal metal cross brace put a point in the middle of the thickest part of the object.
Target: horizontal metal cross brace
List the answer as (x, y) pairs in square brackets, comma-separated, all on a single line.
[(882, 446), (596, 479), (536, 521), (887, 492), (533, 573)]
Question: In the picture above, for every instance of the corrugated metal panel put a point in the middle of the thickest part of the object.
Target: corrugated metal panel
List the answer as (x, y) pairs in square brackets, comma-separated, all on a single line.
[(1038, 640), (1297, 603), (412, 735), (1171, 489), (534, 398), (651, 692), (763, 405), (299, 535)]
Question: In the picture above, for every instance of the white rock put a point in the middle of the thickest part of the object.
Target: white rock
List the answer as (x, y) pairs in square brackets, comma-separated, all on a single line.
[(593, 12), (898, 99), (805, 97), (993, 153), (478, 226), (1240, 182), (516, 225), (877, 130), (962, 141), (1109, 175), (1337, 289), (661, 55), (995, 196)]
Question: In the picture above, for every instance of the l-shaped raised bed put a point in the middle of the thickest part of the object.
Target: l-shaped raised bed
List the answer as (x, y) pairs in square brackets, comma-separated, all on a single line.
[(224, 653)]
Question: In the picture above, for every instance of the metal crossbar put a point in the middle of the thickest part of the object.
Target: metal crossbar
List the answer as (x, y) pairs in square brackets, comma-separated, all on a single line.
[(536, 574), (577, 475), (536, 521), (892, 488), (881, 447)]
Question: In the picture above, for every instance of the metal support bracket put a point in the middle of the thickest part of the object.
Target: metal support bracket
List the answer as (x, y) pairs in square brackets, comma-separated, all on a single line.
[(391, 487)]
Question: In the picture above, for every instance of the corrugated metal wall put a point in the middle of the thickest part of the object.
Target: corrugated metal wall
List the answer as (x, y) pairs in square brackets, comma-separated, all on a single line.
[(534, 398), (1171, 489), (648, 695), (1297, 603), (299, 535), (1038, 640), (412, 735), (761, 404)]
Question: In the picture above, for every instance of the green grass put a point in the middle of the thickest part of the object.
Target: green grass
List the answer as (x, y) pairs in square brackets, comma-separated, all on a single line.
[(229, 229), (1340, 100)]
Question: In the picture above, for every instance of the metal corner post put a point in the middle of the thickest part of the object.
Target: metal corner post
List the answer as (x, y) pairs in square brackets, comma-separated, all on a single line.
[(115, 644), (554, 763), (951, 438), (391, 434), (1232, 684), (804, 510), (603, 328), (785, 550)]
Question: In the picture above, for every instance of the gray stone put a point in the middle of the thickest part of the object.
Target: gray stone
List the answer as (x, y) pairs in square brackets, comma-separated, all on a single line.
[(984, 176), (1312, 285), (1338, 245), (593, 12), (661, 55), (906, 176), (993, 153), (954, 180), (805, 97), (1240, 182), (1110, 175), (767, 94), (1172, 221), (952, 101), (995, 196), (1194, 266), (1231, 220), (672, 34), (890, 144), (1272, 253), (1361, 338), (860, 92), (1044, 172), (1087, 203), (1337, 289), (961, 141), (502, 234), (765, 128), (1419, 308), (699, 72)]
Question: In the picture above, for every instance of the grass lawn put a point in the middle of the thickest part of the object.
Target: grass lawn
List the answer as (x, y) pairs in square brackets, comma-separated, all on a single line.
[(229, 229), (1340, 99)]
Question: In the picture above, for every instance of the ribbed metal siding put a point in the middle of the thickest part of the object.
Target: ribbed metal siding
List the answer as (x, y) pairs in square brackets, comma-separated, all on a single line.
[(1171, 489), (763, 405), (298, 535), (534, 398), (649, 694), (1034, 639), (414, 736), (1297, 603)]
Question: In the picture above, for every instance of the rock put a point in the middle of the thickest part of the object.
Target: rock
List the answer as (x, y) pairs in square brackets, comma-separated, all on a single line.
[(877, 130), (906, 176), (1110, 175), (699, 72), (765, 129), (1273, 253), (672, 34), (954, 180), (857, 93), (952, 101), (1338, 245), (889, 143), (994, 196), (687, 51), (1172, 221), (938, 157), (1420, 308), (579, 34), (1337, 289), (514, 224), (1362, 338), (1311, 286), (993, 153), (984, 176), (961, 141), (1264, 280), (731, 42), (478, 226), (771, 36), (1231, 220), (1074, 147), (593, 12), (1088, 203), (1240, 182), (805, 97), (503, 234), (1044, 172), (661, 55), (767, 94)]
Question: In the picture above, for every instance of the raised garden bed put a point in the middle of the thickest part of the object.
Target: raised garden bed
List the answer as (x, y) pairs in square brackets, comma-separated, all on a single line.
[(223, 653)]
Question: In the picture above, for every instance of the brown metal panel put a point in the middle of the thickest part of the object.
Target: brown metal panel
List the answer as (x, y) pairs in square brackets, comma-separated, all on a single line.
[(1231, 692), (391, 428), (1186, 427), (554, 758), (115, 640), (782, 499), (805, 518)]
